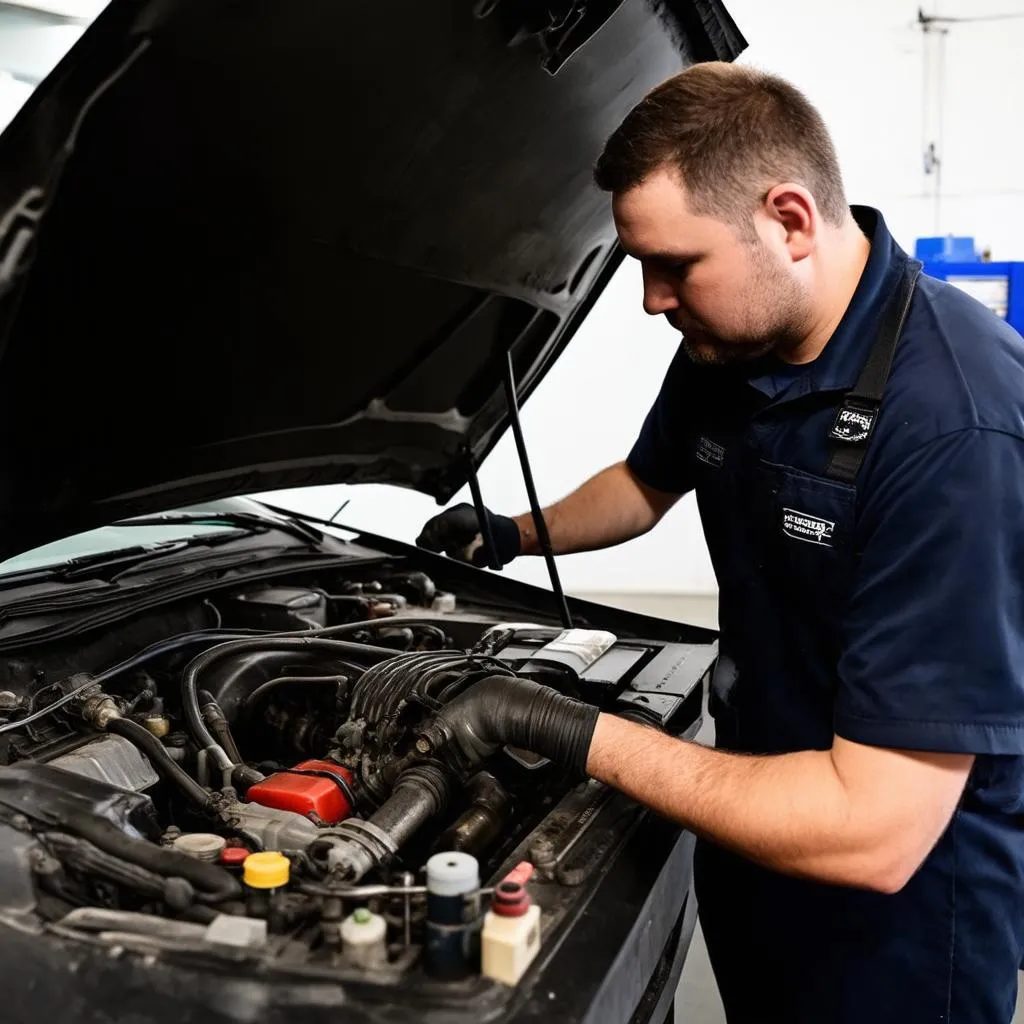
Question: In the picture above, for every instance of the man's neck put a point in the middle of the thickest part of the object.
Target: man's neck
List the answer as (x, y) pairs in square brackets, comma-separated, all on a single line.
[(841, 263)]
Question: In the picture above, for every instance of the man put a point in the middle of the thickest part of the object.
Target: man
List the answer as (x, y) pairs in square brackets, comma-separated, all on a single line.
[(863, 818)]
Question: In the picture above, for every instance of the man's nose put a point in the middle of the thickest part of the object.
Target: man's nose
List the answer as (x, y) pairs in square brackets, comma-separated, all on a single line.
[(659, 295)]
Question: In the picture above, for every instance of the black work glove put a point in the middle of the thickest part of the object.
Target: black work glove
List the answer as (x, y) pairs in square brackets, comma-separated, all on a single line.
[(508, 709), (457, 533)]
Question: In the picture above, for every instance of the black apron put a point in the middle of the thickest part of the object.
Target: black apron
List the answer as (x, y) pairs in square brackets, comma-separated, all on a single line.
[(802, 564), (782, 948)]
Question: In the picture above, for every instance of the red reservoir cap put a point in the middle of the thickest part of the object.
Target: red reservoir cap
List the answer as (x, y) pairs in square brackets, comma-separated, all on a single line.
[(510, 900), (233, 856)]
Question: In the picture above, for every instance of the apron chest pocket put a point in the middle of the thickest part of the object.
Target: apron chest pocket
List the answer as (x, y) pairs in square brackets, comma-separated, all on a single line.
[(807, 542)]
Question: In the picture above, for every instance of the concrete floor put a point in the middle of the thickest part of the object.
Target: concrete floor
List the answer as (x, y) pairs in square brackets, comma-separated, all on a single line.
[(697, 1000)]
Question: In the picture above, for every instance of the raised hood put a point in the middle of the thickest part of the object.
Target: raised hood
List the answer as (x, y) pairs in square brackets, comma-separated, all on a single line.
[(248, 244)]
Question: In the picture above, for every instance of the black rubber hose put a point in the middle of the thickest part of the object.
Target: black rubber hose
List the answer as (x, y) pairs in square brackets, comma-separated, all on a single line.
[(162, 761), (507, 709), (211, 879), (199, 915), (303, 642), (219, 726), (88, 857), (250, 699)]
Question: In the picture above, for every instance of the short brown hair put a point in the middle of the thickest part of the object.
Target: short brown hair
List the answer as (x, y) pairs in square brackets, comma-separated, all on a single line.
[(733, 133)]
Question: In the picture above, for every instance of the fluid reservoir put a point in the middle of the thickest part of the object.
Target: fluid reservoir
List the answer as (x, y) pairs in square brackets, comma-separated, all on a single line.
[(364, 939), (266, 876), (511, 933), (453, 915)]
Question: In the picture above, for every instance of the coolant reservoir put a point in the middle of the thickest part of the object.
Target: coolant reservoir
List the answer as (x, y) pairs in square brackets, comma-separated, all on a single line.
[(320, 790), (364, 939), (511, 933)]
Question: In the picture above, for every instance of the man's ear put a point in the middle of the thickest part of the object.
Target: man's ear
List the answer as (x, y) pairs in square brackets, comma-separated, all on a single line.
[(793, 215)]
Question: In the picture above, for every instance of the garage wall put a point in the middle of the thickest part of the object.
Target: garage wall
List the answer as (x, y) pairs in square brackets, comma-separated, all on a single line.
[(862, 64)]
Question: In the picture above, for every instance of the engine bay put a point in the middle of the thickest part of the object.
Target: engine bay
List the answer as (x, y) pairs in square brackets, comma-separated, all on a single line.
[(244, 777)]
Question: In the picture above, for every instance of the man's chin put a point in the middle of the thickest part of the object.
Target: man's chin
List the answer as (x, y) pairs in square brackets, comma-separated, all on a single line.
[(706, 352)]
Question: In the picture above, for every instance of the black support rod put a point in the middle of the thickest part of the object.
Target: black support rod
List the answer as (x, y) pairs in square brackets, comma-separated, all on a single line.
[(481, 513), (531, 491)]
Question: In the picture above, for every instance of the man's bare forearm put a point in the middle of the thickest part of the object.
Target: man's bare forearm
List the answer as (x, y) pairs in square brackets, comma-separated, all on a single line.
[(854, 816), (611, 507)]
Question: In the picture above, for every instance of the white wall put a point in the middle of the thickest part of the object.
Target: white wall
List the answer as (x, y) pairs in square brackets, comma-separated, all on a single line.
[(861, 62)]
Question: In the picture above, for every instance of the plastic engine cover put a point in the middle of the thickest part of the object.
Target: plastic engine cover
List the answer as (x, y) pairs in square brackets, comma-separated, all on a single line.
[(321, 790)]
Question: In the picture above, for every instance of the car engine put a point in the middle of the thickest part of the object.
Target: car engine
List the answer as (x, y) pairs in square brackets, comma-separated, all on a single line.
[(245, 776)]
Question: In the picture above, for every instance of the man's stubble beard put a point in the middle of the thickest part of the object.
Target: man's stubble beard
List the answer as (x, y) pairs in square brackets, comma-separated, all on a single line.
[(785, 323)]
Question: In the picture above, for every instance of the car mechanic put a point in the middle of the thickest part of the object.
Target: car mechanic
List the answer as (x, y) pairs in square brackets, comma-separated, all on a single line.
[(854, 433)]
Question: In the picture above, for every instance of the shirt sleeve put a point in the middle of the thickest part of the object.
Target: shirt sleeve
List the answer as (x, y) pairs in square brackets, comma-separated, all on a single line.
[(659, 457), (933, 655)]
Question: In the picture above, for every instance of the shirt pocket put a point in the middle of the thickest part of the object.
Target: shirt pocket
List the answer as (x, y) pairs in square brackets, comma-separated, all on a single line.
[(807, 544)]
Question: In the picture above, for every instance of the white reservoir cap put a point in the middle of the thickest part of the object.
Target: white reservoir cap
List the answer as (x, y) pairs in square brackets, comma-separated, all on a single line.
[(452, 874), (363, 928)]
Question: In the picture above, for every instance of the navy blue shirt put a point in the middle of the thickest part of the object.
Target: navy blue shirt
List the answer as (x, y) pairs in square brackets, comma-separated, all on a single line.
[(889, 612)]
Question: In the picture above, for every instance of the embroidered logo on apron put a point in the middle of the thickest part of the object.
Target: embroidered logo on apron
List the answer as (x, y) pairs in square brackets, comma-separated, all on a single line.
[(710, 452), (852, 425), (801, 526)]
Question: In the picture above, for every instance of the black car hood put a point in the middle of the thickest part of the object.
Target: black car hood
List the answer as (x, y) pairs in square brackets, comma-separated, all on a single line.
[(248, 245)]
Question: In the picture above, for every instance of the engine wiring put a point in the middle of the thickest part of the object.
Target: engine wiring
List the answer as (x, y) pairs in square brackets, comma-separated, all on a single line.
[(218, 636), (146, 654)]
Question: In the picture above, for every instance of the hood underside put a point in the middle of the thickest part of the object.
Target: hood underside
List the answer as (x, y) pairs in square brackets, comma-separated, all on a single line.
[(247, 246)]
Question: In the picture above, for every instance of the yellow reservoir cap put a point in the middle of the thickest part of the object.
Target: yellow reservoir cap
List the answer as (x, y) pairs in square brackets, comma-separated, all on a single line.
[(267, 870)]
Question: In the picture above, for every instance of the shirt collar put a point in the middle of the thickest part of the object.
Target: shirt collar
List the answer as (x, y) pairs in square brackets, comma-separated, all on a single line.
[(839, 364)]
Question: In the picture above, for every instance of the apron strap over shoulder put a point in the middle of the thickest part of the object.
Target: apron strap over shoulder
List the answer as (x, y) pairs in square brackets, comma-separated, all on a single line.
[(855, 420)]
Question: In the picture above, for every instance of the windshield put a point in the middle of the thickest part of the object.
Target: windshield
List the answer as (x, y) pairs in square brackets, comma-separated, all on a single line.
[(115, 538)]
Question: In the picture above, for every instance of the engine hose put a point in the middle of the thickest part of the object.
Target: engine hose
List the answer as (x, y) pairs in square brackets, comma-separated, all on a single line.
[(250, 700), (162, 761), (197, 914), (88, 857), (213, 714), (304, 642), (212, 880), (511, 710)]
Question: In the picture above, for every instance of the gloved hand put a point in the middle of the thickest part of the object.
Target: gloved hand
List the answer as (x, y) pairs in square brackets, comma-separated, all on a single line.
[(508, 709), (457, 533)]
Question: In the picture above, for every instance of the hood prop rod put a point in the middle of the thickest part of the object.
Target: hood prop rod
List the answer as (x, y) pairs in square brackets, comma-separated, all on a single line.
[(531, 491), (481, 511)]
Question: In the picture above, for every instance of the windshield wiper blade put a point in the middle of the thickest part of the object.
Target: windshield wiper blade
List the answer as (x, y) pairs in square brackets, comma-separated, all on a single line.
[(243, 520), (122, 559)]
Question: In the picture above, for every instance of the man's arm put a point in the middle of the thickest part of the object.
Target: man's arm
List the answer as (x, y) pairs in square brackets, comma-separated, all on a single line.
[(619, 503), (612, 507), (854, 815), (609, 508)]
